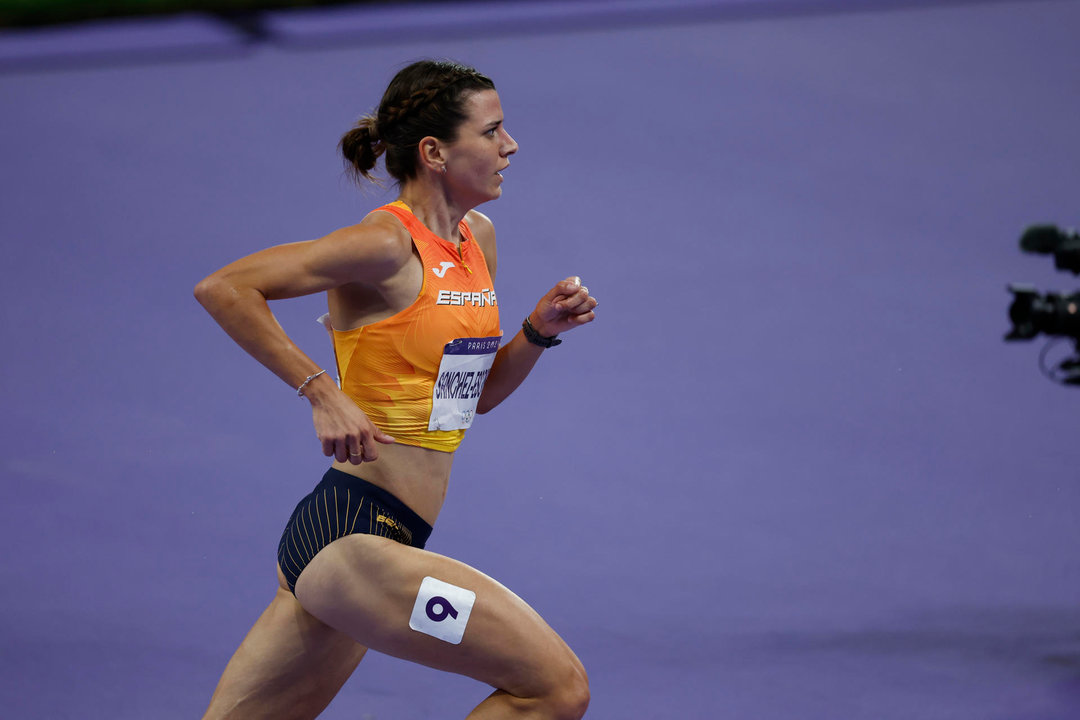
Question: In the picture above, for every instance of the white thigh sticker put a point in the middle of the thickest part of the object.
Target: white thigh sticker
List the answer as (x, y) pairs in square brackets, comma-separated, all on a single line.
[(442, 610)]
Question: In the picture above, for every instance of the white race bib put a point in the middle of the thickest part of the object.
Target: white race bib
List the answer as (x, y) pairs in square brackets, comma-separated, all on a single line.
[(465, 365)]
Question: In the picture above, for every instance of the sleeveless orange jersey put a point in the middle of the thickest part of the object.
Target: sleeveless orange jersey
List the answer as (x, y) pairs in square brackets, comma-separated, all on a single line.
[(418, 374)]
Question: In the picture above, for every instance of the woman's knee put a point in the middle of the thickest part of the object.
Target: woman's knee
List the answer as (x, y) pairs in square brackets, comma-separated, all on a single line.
[(568, 690), (576, 697)]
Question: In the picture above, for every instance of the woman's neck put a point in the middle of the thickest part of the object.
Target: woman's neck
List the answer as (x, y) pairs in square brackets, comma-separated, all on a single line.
[(432, 206)]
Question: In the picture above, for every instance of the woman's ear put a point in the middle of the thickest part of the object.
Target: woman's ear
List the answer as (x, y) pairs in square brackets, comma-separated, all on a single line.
[(431, 154)]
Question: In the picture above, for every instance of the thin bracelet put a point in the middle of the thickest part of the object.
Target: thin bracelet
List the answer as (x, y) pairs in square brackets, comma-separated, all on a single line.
[(536, 338), (300, 390)]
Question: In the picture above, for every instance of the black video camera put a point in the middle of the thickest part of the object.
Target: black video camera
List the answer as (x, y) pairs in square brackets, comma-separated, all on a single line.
[(1053, 314)]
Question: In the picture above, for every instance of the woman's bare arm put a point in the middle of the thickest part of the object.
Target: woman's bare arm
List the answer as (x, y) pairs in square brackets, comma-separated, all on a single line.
[(237, 296)]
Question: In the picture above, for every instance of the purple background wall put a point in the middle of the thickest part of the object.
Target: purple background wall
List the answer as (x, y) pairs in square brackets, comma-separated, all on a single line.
[(791, 472)]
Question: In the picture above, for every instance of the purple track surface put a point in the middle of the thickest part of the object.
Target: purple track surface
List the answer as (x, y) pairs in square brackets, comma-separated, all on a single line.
[(792, 471)]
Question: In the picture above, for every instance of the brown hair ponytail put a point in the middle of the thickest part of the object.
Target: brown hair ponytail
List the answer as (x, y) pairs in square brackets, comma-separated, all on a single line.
[(361, 148)]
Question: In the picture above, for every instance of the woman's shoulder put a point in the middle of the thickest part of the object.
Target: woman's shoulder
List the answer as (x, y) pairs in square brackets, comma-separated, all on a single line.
[(377, 241), (382, 228), (479, 223), (484, 233), (482, 229)]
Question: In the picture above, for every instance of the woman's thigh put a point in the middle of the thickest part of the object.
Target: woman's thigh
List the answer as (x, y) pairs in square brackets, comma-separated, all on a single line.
[(290, 665), (374, 590)]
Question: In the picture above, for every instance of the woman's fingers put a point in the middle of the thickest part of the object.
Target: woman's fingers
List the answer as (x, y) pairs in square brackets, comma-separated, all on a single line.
[(346, 433), (341, 450), (584, 317), (579, 302), (363, 446), (382, 437), (356, 451)]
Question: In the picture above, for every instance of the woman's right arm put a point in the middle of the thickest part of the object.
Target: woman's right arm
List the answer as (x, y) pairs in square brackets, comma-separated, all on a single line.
[(237, 297)]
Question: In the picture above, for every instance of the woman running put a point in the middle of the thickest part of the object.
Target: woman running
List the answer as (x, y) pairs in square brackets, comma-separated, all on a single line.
[(417, 339)]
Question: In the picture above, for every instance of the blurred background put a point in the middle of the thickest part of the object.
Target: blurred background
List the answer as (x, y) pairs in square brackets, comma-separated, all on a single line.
[(792, 470), (26, 13)]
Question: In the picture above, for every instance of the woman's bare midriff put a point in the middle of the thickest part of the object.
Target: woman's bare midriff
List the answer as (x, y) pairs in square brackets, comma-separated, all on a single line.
[(416, 476)]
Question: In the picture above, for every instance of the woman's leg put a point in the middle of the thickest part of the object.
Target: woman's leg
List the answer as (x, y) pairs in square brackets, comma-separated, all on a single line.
[(373, 590), (290, 665)]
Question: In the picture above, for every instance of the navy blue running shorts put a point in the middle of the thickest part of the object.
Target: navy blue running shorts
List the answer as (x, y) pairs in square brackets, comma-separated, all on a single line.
[(340, 505)]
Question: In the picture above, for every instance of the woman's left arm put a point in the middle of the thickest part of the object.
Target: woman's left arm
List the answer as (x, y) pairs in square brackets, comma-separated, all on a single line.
[(564, 307)]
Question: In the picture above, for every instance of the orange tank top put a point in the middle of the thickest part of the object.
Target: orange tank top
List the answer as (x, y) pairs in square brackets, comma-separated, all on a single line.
[(419, 373)]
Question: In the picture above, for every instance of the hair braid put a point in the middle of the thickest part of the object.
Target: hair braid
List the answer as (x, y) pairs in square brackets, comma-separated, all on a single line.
[(412, 104), (424, 99)]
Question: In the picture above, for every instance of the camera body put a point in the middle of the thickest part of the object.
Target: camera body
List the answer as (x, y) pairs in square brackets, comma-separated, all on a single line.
[(1052, 314)]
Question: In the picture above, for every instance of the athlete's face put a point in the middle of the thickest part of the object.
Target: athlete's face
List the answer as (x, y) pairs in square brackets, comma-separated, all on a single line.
[(482, 149)]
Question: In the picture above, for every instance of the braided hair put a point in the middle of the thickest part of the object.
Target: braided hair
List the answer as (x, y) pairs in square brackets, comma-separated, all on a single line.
[(426, 98)]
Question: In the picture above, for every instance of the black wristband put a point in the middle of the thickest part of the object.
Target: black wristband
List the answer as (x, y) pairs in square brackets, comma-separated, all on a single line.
[(536, 338)]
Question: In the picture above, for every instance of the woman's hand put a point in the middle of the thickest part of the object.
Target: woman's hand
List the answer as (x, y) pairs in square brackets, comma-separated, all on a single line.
[(346, 433), (566, 306)]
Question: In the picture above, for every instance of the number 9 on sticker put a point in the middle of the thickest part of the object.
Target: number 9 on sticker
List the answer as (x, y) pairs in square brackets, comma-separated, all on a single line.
[(442, 610)]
